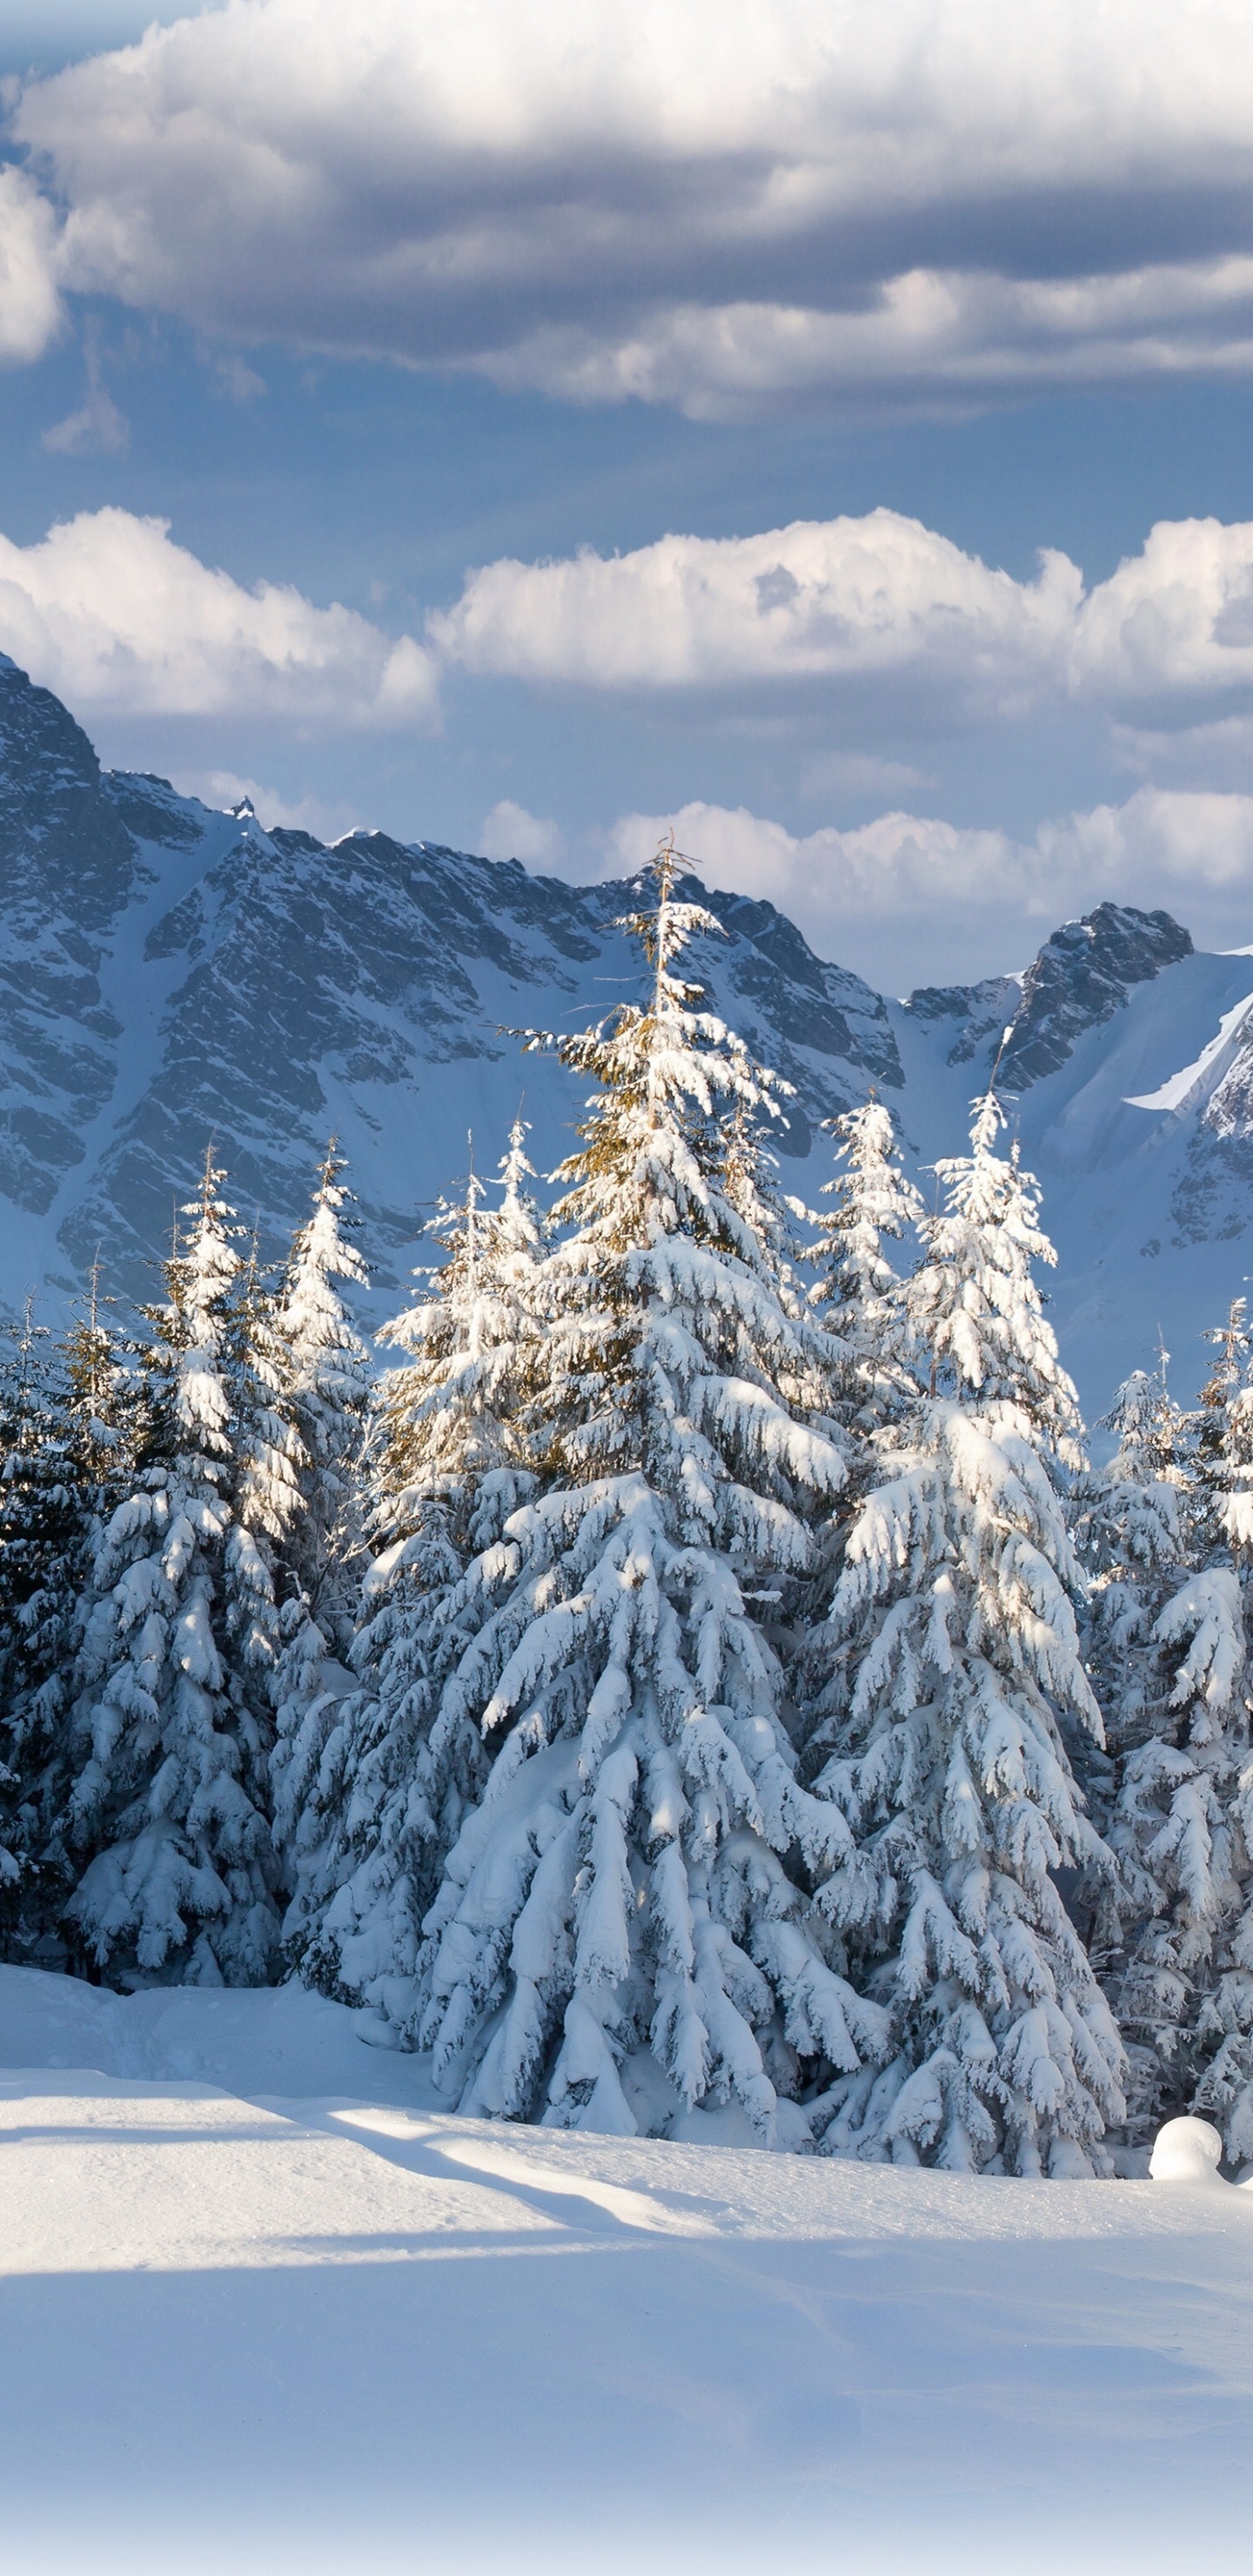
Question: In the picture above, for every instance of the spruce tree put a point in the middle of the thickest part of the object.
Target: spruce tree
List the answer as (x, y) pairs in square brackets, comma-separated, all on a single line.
[(328, 1382), (949, 1663), (168, 1807), (380, 1784), (44, 1535), (623, 1933), (860, 1295), (1183, 1817), (67, 1421), (325, 1388)]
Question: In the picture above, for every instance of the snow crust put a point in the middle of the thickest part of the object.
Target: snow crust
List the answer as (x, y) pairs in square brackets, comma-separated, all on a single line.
[(264, 2308)]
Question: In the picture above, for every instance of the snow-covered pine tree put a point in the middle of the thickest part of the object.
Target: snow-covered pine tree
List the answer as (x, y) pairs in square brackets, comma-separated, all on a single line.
[(44, 1535), (623, 1933), (66, 1436), (326, 1391), (859, 1293), (950, 1658), (377, 1785), (172, 1721), (269, 1466), (1132, 1527), (1183, 1819), (328, 1383)]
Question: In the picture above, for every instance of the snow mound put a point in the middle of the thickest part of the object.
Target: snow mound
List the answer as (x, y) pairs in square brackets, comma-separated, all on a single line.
[(1187, 2151)]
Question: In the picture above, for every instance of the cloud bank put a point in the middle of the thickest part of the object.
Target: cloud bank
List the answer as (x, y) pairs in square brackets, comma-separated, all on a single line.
[(723, 204), (116, 618), (879, 604), (880, 614), (910, 899)]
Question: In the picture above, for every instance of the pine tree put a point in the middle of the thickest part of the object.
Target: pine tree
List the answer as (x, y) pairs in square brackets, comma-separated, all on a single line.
[(43, 1539), (66, 1431), (381, 1785), (623, 1933), (1183, 1818), (860, 1295), (949, 1662), (326, 1389), (1132, 1527), (171, 1720), (328, 1381)]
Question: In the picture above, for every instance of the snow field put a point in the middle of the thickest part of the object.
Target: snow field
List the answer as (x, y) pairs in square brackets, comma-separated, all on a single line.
[(284, 2316)]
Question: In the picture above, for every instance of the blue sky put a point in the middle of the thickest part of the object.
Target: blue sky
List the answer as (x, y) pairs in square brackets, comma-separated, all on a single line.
[(424, 326)]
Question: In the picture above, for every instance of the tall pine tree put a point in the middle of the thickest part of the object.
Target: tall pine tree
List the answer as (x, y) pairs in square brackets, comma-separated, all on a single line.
[(949, 1664), (172, 1721), (860, 1294), (380, 1785), (1183, 1817), (623, 1933)]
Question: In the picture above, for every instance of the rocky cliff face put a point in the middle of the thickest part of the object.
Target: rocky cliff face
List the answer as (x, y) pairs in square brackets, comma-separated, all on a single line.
[(172, 973), (67, 868), (1082, 975), (168, 973)]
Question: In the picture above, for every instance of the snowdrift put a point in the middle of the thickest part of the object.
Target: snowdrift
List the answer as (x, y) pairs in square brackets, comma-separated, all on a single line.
[(264, 2309)]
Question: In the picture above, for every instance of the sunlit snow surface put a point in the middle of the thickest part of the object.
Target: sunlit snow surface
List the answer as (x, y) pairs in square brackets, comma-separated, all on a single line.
[(264, 2309)]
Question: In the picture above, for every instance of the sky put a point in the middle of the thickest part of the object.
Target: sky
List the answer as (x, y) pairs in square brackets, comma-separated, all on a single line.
[(819, 426)]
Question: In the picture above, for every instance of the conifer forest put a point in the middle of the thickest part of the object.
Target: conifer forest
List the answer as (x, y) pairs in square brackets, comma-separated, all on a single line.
[(695, 1662)]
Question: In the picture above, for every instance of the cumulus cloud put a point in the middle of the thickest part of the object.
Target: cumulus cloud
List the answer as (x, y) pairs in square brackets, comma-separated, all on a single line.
[(879, 616), (30, 302), (913, 899), (509, 832), (1176, 620), (880, 600), (717, 203), (832, 599), (114, 616)]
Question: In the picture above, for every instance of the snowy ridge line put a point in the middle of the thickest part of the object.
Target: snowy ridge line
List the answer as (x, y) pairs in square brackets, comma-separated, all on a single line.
[(1193, 1084), (170, 989)]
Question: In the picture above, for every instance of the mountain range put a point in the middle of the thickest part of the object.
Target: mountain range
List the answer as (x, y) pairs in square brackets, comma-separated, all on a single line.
[(172, 974)]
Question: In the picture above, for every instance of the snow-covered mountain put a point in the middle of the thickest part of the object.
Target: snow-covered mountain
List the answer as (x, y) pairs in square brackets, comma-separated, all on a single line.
[(169, 972)]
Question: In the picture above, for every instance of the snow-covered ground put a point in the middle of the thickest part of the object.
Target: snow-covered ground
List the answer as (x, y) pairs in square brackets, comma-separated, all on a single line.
[(264, 2309)]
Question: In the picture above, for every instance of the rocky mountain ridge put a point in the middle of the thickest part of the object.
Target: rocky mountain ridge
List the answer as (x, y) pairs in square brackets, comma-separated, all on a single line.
[(168, 972)]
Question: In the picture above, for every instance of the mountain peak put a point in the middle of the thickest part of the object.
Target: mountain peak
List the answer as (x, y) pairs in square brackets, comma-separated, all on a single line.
[(1081, 976)]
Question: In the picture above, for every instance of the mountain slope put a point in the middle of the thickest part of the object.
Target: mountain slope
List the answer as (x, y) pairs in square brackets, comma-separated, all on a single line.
[(169, 972)]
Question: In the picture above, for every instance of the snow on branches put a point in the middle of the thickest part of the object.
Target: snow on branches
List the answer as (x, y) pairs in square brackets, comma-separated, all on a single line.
[(944, 1673)]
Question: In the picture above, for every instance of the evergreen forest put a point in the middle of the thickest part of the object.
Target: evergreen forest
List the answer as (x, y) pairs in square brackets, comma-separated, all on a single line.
[(699, 1669)]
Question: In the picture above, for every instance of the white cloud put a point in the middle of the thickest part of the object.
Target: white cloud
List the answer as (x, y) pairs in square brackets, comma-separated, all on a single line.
[(1176, 620), (115, 617), (911, 899), (878, 617), (899, 865), (884, 601), (509, 832), (30, 304), (716, 203), (823, 599), (927, 336)]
